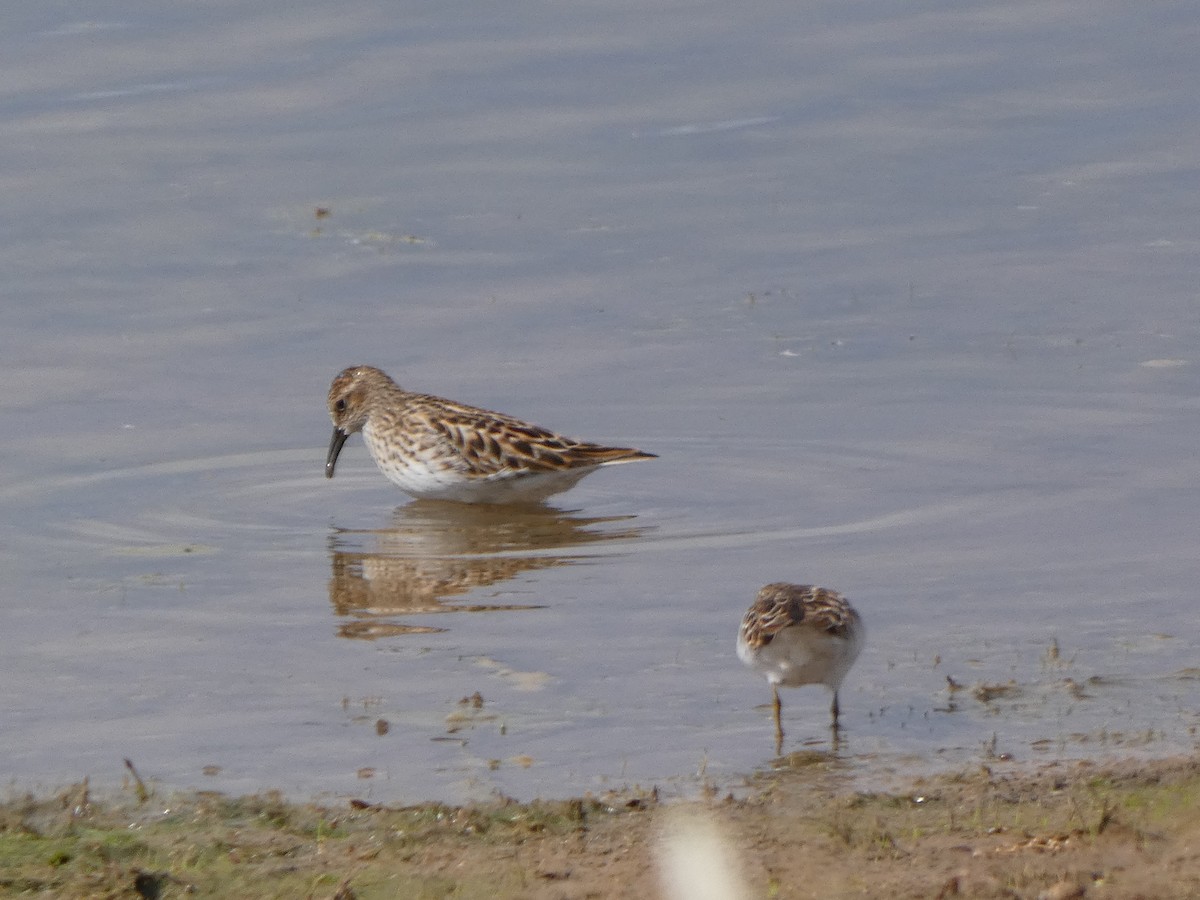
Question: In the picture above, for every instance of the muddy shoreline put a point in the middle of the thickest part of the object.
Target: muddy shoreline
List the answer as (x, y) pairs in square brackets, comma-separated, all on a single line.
[(1053, 831)]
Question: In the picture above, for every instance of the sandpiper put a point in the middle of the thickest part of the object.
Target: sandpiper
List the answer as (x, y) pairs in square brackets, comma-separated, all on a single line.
[(442, 450), (796, 634)]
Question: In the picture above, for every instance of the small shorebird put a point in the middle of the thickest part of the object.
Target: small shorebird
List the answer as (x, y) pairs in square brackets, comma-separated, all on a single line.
[(796, 634), (442, 450)]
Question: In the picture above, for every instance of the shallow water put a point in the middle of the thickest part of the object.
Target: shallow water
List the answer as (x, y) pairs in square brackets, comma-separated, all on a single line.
[(906, 303)]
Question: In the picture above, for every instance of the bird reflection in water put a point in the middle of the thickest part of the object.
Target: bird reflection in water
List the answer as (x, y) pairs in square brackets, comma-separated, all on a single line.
[(433, 552)]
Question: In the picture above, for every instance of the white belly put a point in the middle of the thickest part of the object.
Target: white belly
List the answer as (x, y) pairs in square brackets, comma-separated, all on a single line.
[(798, 655), (504, 487)]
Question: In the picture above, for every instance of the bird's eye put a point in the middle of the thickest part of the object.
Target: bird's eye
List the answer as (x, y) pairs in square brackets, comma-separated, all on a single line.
[(340, 406)]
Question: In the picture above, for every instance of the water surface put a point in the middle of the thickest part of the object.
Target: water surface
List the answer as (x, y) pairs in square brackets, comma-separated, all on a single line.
[(905, 301)]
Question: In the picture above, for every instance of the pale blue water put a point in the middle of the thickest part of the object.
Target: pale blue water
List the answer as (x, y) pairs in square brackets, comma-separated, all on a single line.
[(905, 299)]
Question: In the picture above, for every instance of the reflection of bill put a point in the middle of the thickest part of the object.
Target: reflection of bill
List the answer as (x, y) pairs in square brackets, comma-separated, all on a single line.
[(434, 552)]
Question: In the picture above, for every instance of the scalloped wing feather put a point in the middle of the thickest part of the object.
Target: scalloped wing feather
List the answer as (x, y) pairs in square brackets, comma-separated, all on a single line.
[(493, 443), (781, 605)]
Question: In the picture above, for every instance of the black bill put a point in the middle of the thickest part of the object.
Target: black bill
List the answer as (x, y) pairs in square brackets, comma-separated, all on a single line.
[(335, 447)]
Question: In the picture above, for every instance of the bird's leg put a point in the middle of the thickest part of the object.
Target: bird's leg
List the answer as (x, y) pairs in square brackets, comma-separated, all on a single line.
[(778, 707), (835, 729)]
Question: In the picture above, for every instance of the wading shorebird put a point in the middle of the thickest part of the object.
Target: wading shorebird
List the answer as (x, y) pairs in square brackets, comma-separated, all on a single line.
[(797, 634), (439, 449)]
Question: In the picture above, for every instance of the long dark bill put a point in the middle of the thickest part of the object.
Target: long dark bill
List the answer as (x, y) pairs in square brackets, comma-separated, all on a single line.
[(335, 447)]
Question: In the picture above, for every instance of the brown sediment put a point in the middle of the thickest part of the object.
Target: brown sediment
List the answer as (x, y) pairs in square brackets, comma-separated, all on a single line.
[(1056, 831)]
